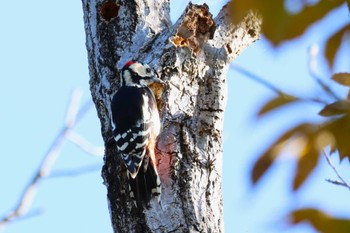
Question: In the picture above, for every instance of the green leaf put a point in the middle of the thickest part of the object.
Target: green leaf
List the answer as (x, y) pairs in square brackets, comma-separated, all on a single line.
[(321, 221), (342, 78), (333, 44), (277, 102), (336, 108)]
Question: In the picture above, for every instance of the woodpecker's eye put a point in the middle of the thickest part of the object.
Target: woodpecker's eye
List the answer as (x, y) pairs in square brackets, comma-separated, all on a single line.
[(148, 70)]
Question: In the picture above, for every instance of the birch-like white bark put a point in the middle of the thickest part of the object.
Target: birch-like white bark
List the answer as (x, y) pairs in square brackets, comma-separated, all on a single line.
[(192, 56)]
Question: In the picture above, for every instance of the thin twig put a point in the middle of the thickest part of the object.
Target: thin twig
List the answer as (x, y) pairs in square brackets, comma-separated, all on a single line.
[(44, 170), (313, 52), (73, 108), (342, 182), (75, 171), (270, 86), (336, 182), (83, 144), (256, 78)]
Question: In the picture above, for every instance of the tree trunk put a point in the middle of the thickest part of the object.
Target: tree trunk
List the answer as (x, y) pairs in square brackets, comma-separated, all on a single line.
[(192, 56)]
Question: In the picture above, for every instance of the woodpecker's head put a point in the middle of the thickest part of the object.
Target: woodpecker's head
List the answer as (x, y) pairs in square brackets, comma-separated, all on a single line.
[(136, 74)]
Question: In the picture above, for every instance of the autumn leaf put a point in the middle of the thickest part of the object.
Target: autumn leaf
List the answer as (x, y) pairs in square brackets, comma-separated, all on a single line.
[(277, 102), (279, 24), (342, 78), (271, 154), (264, 162), (308, 160), (340, 129), (336, 108), (321, 221), (333, 44)]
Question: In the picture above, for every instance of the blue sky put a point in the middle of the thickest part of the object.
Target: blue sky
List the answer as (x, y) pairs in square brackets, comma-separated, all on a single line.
[(44, 58)]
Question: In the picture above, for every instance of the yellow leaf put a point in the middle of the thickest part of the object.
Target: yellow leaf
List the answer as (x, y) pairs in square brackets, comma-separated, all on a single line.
[(324, 139), (336, 108), (278, 24), (342, 78), (277, 102), (321, 221), (270, 155), (307, 162), (313, 216), (264, 163), (333, 44), (340, 129)]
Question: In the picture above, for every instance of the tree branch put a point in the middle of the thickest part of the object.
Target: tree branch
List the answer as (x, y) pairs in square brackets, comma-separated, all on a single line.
[(75, 171), (73, 116), (257, 79), (83, 144), (269, 85), (313, 52), (342, 181)]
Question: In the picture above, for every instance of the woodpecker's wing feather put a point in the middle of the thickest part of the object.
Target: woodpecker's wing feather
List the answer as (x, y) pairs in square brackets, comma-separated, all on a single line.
[(132, 119), (132, 146)]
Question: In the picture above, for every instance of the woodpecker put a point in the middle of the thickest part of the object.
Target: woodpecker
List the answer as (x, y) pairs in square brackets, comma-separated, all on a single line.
[(136, 127)]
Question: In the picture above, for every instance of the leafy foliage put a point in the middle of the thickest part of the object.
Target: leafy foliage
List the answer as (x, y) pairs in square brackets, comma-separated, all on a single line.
[(278, 102), (312, 140), (320, 221), (342, 78), (334, 132), (337, 108), (280, 25)]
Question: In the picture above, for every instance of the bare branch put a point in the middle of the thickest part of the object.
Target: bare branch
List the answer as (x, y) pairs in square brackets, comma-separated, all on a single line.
[(269, 85), (313, 52), (336, 182), (257, 79), (44, 170), (73, 107), (342, 182), (76, 171), (83, 144)]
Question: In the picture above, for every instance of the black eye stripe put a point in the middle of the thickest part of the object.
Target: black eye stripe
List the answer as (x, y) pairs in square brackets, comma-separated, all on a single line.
[(134, 74)]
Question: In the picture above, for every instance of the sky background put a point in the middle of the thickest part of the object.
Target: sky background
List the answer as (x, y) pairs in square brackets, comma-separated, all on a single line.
[(43, 58)]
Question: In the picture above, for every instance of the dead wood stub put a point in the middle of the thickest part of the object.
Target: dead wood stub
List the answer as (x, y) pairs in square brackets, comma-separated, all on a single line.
[(196, 28)]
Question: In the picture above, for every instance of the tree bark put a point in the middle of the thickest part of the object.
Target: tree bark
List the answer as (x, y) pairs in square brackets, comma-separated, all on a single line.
[(192, 56)]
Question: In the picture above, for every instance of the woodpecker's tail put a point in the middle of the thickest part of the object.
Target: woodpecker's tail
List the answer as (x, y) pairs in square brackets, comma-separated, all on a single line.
[(146, 184)]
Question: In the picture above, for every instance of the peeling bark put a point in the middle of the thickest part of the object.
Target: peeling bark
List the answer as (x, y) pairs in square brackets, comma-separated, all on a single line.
[(192, 56)]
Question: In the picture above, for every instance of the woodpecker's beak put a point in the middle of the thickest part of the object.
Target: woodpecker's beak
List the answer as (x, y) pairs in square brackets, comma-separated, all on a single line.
[(155, 79)]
